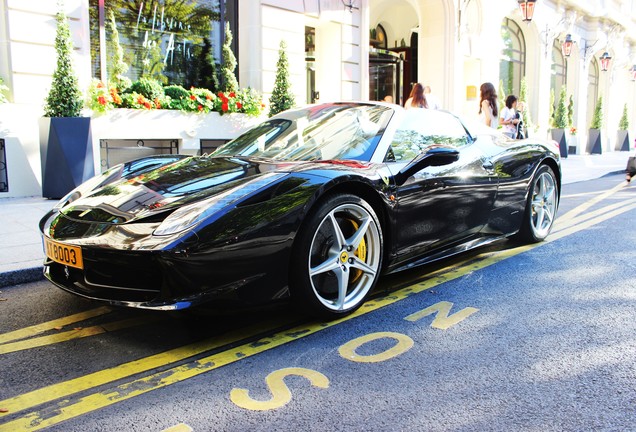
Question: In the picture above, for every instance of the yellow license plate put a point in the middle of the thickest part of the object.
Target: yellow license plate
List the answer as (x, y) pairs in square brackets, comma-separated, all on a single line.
[(63, 253)]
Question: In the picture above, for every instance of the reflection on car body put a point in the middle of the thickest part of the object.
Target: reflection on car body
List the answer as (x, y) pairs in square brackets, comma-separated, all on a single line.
[(312, 205)]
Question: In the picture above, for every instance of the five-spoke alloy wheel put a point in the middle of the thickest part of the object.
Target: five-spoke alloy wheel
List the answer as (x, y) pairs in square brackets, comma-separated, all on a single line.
[(541, 208), (337, 256)]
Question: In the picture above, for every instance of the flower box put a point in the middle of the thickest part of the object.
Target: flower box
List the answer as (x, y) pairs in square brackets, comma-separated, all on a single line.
[(187, 129)]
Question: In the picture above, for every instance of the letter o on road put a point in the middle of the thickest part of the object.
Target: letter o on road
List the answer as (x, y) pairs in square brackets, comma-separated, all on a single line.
[(348, 350)]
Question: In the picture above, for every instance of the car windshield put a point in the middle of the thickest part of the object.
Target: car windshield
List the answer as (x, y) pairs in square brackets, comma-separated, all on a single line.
[(321, 132)]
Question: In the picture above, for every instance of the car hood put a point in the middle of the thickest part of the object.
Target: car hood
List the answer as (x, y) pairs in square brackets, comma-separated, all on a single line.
[(165, 188)]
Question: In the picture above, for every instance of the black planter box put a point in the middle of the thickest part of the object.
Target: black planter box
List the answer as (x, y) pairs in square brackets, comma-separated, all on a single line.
[(66, 153), (622, 140), (594, 142), (559, 136)]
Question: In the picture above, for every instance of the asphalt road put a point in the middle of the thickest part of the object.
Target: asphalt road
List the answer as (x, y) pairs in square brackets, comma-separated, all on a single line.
[(505, 338)]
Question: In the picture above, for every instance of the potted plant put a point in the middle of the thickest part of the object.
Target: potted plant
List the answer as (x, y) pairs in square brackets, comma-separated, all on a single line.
[(66, 147), (3, 89), (622, 136), (594, 137), (282, 98), (573, 143), (561, 123), (522, 105), (230, 84)]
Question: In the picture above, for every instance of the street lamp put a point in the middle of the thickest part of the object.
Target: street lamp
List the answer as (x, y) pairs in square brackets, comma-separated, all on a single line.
[(605, 60), (566, 48), (527, 9)]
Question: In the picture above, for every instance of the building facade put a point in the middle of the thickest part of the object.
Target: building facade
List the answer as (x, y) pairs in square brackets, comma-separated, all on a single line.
[(337, 50)]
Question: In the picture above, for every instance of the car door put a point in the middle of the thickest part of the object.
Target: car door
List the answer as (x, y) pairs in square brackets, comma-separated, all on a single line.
[(439, 206)]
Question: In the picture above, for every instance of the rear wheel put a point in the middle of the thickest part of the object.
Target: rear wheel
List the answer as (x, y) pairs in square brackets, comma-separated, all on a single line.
[(541, 207), (337, 257)]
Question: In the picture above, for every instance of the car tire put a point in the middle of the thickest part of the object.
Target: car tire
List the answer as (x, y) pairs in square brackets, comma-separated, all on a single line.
[(541, 206), (337, 257)]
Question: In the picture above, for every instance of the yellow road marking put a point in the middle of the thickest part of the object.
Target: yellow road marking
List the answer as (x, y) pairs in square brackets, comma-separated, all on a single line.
[(583, 207), (181, 427), (442, 320), (74, 334), (50, 325), (348, 350), (67, 388), (562, 224), (281, 395), (65, 410)]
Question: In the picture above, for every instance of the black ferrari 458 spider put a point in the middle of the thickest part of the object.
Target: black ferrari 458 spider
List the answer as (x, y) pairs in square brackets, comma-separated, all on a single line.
[(312, 205)]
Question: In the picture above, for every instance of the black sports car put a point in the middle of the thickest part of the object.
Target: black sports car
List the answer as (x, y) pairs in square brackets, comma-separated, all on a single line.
[(314, 204)]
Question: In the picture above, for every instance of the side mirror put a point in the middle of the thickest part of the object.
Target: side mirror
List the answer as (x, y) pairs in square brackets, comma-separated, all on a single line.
[(434, 156)]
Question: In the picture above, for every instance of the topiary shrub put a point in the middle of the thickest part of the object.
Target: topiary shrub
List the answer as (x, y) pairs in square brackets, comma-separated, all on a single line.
[(282, 97), (561, 113), (623, 124), (149, 88), (597, 119), (117, 65), (178, 95), (523, 105), (65, 98), (3, 88), (230, 84)]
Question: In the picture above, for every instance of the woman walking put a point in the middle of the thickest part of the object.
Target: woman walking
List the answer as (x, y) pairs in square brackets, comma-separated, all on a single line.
[(488, 112), (416, 99)]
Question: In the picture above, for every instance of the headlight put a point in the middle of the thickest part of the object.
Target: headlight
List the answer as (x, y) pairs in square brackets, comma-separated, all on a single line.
[(190, 215)]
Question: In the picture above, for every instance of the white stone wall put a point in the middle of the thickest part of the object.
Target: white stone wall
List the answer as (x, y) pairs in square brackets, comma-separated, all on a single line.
[(27, 62), (340, 47)]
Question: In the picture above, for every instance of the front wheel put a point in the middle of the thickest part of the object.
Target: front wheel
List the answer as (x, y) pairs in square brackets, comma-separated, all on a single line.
[(337, 257), (541, 207)]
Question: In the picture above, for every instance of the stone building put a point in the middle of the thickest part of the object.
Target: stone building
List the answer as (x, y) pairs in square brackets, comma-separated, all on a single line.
[(337, 50)]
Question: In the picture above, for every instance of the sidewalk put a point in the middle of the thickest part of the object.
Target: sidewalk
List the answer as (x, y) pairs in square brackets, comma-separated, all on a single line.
[(22, 254)]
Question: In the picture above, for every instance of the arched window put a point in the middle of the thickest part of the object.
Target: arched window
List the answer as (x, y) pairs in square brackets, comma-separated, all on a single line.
[(592, 88), (512, 66), (559, 70)]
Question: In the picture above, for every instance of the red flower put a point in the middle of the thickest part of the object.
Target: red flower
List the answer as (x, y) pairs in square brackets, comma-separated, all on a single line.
[(101, 100), (220, 94), (239, 105), (141, 100), (157, 103), (100, 84), (193, 97), (208, 97), (224, 106), (200, 107), (232, 94), (147, 105)]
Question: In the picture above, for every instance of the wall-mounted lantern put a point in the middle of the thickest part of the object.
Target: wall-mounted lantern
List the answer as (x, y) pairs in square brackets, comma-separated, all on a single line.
[(527, 9), (566, 47), (605, 61)]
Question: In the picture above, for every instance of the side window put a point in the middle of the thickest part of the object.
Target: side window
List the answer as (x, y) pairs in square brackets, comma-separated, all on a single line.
[(422, 128)]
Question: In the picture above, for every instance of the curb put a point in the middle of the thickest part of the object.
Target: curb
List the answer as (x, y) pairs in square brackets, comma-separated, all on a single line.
[(22, 276)]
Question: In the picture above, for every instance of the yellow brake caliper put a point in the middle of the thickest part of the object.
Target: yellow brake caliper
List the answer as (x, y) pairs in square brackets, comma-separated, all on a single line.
[(360, 252)]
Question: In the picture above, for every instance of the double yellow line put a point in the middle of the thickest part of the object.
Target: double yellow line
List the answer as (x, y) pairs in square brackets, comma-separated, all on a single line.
[(68, 406)]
